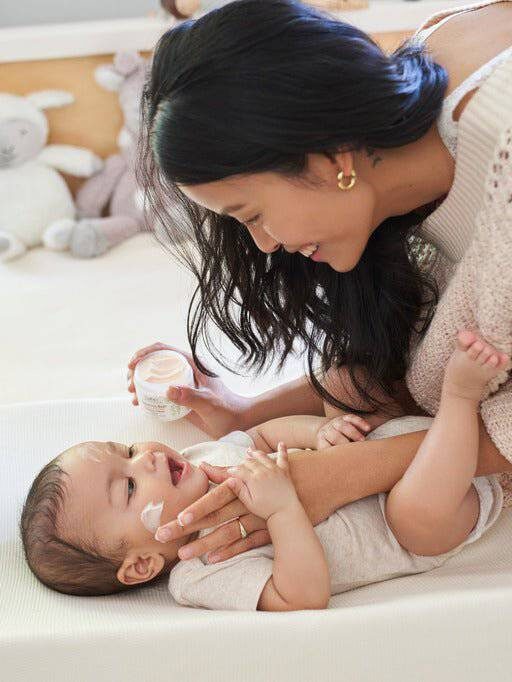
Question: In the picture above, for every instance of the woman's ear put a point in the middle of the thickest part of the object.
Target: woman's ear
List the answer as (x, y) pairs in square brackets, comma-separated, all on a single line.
[(139, 567)]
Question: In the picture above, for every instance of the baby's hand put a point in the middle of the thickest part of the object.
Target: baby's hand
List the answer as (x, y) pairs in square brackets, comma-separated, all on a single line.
[(262, 484), (343, 429)]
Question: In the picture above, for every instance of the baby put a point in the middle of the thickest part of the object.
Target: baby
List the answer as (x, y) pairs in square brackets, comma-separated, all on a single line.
[(85, 524)]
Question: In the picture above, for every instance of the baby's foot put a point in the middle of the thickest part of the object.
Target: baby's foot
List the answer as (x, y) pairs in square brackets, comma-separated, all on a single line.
[(473, 363)]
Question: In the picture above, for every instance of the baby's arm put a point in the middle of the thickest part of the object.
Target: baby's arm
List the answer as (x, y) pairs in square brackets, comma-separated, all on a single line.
[(297, 431), (300, 577)]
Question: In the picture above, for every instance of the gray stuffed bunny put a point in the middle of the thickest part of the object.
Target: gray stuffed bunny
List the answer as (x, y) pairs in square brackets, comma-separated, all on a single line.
[(115, 186)]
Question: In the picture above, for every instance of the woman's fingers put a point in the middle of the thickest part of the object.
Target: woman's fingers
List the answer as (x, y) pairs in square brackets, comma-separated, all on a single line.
[(216, 518), (256, 539), (209, 510), (142, 352), (215, 473), (221, 536)]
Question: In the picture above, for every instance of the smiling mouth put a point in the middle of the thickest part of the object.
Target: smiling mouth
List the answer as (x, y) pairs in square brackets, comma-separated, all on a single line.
[(309, 250), (175, 469)]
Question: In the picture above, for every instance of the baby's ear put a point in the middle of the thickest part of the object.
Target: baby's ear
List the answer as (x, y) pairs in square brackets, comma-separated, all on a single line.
[(140, 567)]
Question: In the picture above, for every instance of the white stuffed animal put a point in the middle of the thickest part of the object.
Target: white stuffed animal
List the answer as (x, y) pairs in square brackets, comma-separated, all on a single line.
[(35, 203)]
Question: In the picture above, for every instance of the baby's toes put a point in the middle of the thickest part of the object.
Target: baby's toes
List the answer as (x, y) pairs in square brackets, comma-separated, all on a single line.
[(486, 355), (465, 338), (475, 349)]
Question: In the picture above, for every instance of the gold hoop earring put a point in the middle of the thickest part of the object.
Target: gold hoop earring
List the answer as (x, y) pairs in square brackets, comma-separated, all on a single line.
[(352, 182)]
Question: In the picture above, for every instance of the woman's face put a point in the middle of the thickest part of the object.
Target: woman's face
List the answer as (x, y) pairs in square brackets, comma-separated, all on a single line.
[(280, 211)]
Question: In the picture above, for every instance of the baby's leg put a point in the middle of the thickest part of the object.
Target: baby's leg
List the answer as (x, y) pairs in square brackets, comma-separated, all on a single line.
[(434, 506)]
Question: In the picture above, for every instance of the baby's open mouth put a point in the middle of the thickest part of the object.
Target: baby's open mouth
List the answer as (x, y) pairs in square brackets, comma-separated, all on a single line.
[(176, 469)]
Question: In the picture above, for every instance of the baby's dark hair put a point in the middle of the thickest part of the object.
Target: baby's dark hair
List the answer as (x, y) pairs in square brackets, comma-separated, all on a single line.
[(83, 568)]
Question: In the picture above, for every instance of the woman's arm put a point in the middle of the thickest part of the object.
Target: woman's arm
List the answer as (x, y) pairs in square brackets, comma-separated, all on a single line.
[(329, 480), (294, 397), (345, 473)]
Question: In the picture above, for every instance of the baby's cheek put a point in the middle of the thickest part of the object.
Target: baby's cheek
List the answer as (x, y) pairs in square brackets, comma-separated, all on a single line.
[(151, 515)]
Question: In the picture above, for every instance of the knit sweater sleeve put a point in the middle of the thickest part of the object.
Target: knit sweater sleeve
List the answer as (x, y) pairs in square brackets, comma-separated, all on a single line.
[(478, 296)]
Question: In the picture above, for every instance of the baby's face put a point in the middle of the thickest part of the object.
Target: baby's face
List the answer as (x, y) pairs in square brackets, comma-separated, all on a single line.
[(110, 484)]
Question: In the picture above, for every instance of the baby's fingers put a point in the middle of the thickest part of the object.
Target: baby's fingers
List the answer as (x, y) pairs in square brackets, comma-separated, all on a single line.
[(282, 456), (239, 487), (359, 422), (256, 457), (350, 432)]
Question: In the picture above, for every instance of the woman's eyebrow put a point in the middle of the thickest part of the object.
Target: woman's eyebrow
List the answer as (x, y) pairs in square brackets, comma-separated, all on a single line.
[(230, 209)]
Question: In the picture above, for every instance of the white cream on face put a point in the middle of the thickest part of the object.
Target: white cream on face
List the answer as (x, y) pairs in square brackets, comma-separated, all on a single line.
[(151, 515)]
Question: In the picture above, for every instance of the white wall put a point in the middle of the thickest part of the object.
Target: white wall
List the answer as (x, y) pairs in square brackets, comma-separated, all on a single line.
[(15, 13)]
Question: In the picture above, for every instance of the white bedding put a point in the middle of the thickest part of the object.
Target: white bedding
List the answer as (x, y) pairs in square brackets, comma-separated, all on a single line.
[(69, 326), (451, 624)]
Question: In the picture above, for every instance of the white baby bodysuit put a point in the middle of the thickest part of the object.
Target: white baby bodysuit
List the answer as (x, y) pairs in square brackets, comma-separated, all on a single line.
[(359, 545)]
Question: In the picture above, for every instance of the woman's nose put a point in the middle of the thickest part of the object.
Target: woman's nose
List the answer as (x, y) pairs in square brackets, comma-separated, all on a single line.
[(263, 241)]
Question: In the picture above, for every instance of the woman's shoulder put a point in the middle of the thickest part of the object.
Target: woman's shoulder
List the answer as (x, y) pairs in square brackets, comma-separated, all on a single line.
[(465, 38)]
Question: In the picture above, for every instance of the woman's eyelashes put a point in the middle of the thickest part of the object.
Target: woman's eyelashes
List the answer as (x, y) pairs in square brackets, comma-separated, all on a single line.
[(252, 221)]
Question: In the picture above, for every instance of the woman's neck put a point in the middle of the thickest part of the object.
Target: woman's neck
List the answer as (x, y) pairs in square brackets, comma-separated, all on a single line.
[(410, 177)]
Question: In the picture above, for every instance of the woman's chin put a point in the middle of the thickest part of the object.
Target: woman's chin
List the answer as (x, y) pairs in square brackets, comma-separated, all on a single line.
[(340, 265)]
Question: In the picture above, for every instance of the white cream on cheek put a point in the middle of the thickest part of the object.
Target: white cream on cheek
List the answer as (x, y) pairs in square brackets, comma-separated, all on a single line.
[(151, 515)]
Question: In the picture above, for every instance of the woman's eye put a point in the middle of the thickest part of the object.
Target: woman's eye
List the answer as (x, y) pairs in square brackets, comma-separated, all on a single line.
[(251, 221)]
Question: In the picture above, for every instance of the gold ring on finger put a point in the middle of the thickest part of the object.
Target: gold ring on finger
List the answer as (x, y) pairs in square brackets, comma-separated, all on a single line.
[(243, 532)]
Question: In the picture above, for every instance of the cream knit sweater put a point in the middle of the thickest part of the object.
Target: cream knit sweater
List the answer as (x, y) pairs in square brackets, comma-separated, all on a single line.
[(472, 233)]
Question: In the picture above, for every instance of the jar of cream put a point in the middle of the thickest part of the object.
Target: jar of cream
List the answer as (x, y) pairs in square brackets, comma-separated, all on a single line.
[(152, 377)]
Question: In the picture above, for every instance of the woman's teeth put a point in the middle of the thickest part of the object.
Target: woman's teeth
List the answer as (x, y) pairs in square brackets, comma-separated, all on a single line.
[(309, 250)]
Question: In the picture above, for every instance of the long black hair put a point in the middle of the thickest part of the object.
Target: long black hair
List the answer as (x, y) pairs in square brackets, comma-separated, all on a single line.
[(255, 86)]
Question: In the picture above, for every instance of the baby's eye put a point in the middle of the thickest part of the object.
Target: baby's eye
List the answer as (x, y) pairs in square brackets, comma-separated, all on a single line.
[(130, 480)]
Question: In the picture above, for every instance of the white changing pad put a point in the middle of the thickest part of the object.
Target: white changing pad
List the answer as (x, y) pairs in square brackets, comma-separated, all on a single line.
[(68, 326), (451, 624)]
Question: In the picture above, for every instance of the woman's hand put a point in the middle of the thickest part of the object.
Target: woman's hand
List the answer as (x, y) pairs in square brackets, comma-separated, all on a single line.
[(342, 429), (218, 506), (215, 408)]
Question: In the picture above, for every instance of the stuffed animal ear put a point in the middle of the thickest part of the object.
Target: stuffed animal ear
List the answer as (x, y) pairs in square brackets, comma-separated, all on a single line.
[(106, 76), (112, 76), (127, 62), (47, 99)]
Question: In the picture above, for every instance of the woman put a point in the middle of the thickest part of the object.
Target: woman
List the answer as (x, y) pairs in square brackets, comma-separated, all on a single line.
[(375, 207)]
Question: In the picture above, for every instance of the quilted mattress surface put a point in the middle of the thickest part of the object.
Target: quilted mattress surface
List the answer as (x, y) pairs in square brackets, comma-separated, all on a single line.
[(450, 624)]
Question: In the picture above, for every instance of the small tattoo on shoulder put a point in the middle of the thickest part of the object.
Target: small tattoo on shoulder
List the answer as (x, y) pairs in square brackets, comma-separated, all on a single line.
[(374, 156)]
